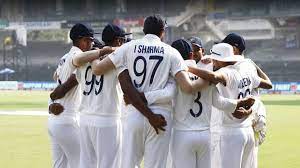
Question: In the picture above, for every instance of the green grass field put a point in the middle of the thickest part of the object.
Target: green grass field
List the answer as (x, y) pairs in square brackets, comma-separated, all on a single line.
[(24, 139), (23, 100)]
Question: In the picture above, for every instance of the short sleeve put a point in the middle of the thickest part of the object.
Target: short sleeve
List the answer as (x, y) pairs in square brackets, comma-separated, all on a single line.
[(78, 74), (224, 104), (69, 60), (177, 63), (256, 80), (228, 75), (120, 70), (118, 56)]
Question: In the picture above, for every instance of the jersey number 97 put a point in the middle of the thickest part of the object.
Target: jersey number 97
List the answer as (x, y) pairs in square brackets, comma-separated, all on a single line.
[(142, 73)]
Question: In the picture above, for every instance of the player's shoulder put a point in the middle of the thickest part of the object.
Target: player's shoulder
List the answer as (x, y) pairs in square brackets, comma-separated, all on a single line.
[(168, 47), (74, 51), (169, 50), (228, 71), (130, 45), (208, 66), (246, 65)]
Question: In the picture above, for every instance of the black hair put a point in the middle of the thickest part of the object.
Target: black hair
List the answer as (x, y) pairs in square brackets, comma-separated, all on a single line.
[(154, 25), (76, 42)]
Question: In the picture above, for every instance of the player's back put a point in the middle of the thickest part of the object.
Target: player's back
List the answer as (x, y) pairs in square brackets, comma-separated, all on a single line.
[(193, 111), (247, 65), (150, 63), (64, 70), (100, 95), (240, 83)]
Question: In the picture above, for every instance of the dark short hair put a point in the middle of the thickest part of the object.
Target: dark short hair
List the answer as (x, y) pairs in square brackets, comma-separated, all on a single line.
[(235, 40), (154, 25), (111, 32), (184, 47), (80, 30)]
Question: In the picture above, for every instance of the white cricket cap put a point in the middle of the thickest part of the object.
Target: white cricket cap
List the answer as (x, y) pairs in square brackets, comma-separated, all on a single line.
[(223, 52)]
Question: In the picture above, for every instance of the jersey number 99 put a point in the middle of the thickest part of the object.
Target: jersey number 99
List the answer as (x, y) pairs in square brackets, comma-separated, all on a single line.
[(93, 82)]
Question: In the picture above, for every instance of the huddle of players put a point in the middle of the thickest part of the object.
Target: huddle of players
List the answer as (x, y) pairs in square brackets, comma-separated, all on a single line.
[(166, 104)]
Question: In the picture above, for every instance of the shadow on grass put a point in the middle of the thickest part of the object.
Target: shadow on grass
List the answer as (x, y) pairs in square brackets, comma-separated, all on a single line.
[(282, 102)]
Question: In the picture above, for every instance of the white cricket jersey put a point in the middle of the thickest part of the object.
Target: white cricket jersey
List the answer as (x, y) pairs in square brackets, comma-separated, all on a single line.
[(248, 65), (150, 62), (100, 97), (208, 66), (193, 111), (240, 83), (64, 70)]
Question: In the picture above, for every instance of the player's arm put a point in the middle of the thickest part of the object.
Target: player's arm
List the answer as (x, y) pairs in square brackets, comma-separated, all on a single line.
[(61, 90), (164, 95), (55, 76), (188, 86), (100, 67), (156, 120), (265, 80), (90, 56), (213, 77), (115, 60), (238, 108)]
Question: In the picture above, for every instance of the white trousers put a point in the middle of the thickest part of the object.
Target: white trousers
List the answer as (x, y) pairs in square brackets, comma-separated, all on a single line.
[(100, 146), (255, 155), (237, 148), (65, 144), (191, 149), (141, 141)]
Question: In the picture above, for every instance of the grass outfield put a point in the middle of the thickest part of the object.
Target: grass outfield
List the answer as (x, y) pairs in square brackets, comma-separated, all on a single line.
[(24, 142), (24, 139), (23, 100)]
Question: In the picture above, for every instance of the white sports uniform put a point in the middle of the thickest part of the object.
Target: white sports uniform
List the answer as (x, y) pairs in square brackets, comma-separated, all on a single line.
[(192, 118), (150, 62), (248, 64), (237, 137), (100, 125), (63, 128)]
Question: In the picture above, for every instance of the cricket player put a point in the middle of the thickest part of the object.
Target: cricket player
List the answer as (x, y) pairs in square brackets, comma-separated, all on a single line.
[(192, 116), (63, 128), (149, 62), (259, 117), (237, 136), (100, 127), (111, 36)]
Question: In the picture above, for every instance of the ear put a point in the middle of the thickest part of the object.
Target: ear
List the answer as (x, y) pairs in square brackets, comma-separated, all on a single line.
[(191, 55)]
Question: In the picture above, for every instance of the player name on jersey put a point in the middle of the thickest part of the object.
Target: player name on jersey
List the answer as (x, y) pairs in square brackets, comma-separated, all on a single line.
[(149, 49), (244, 82)]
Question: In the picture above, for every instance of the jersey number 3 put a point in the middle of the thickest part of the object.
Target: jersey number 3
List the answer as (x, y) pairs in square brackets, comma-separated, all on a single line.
[(143, 72), (197, 101), (92, 83)]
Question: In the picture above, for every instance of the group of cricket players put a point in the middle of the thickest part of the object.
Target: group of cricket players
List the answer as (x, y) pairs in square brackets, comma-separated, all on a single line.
[(123, 102)]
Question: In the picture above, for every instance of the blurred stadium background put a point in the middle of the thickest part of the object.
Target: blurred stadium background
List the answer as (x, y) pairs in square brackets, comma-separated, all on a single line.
[(34, 35)]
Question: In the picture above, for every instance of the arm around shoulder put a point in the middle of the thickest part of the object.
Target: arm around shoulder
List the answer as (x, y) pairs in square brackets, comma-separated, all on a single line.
[(103, 66)]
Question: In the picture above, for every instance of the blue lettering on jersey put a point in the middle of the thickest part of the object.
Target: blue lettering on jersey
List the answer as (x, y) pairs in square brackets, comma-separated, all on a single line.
[(149, 49), (244, 82), (62, 61)]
